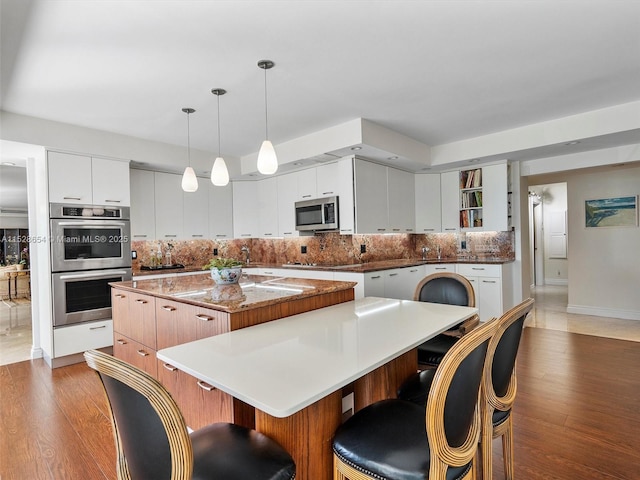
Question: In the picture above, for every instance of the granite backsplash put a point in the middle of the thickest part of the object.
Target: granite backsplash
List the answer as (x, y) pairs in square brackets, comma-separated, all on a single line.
[(331, 248)]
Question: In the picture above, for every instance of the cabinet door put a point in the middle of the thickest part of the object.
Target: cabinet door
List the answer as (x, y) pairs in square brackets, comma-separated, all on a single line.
[(412, 277), (268, 207), (401, 201), (428, 203), (69, 178), (142, 311), (489, 298), (195, 217), (439, 267), (306, 184), (287, 196), (120, 311), (179, 323), (495, 198), (245, 213), (450, 193), (220, 211), (81, 337), (327, 180), (110, 181), (169, 209), (143, 221), (346, 196), (374, 284), (371, 197), (394, 283), (135, 353)]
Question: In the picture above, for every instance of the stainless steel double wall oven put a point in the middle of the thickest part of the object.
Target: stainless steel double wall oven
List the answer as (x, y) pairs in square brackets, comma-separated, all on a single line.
[(90, 247)]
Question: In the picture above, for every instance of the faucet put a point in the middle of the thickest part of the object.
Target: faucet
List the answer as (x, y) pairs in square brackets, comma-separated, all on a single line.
[(246, 251), (438, 252), (424, 253)]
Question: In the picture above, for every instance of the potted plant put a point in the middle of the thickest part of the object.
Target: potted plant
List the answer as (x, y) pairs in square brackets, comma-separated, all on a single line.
[(224, 270)]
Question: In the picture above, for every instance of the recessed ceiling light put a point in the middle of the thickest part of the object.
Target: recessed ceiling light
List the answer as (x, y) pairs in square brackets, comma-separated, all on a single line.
[(392, 158), (425, 169), (474, 160), (297, 164), (9, 164), (356, 148), (571, 143)]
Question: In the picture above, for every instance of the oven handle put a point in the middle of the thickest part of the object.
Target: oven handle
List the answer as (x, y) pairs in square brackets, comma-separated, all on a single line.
[(110, 273), (91, 223)]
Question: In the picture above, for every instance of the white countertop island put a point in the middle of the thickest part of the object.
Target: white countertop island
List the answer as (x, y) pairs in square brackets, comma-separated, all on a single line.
[(292, 370)]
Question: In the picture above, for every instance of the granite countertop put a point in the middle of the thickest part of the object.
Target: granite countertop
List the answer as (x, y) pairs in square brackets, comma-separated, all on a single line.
[(353, 268), (253, 291)]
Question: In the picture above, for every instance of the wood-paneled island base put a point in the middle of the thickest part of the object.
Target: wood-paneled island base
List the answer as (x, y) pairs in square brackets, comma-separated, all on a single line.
[(293, 370), (151, 314)]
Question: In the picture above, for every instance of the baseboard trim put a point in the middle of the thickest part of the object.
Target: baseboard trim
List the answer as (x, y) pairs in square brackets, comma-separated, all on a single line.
[(36, 352), (603, 312), (556, 281)]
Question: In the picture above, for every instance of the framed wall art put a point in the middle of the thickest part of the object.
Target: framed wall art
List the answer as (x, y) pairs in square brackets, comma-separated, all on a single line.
[(611, 212)]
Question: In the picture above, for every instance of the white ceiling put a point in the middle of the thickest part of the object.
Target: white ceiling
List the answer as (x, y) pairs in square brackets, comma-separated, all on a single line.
[(435, 71)]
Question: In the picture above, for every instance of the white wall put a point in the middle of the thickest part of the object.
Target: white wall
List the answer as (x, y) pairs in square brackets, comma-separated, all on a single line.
[(604, 263)]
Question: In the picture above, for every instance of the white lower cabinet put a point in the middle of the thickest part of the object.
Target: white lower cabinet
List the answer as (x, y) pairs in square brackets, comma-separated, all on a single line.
[(439, 268), (397, 283), (491, 286), (81, 337), (374, 284)]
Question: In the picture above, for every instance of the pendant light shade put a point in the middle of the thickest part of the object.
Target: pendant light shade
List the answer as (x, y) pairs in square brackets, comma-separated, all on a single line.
[(189, 179), (219, 172), (267, 160)]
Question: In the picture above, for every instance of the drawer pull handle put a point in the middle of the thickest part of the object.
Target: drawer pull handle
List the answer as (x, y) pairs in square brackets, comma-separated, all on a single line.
[(97, 328), (488, 281), (413, 270), (377, 276), (450, 229), (119, 295), (428, 229), (121, 342), (327, 193), (72, 198), (440, 268), (141, 301), (171, 236), (266, 272), (142, 353), (140, 235), (111, 201), (169, 308), (306, 196), (382, 229), (169, 367), (204, 318), (395, 229), (393, 274), (205, 386), (220, 235), (477, 268)]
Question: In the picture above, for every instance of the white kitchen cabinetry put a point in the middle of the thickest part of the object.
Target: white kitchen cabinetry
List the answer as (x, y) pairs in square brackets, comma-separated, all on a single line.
[(245, 211), (80, 179), (169, 209), (370, 180), (491, 284), (495, 187), (374, 284), (450, 196), (307, 189), (81, 337), (268, 207), (220, 211), (287, 197), (430, 269), (400, 201), (195, 216), (358, 290), (401, 282), (428, 203), (346, 195), (143, 221), (327, 184)]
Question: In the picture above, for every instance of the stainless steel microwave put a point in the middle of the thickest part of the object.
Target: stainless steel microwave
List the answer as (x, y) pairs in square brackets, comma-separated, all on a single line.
[(317, 214)]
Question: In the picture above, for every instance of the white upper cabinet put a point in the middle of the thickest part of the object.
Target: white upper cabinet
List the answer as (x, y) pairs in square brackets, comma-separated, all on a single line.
[(195, 216), (287, 196), (495, 196), (345, 194), (428, 203), (370, 180), (450, 195), (268, 207), (401, 201), (80, 179), (143, 215), (169, 200), (220, 211), (327, 184), (307, 189), (245, 210)]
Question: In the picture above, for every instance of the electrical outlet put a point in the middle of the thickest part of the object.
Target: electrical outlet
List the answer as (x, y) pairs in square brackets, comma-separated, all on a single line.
[(134, 254), (303, 249), (363, 249), (215, 252)]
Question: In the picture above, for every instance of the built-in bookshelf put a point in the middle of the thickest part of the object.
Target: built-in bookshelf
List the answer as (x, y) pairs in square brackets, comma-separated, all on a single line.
[(471, 198)]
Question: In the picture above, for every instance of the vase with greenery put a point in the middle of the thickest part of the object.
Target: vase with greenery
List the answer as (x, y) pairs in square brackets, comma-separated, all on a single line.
[(224, 270)]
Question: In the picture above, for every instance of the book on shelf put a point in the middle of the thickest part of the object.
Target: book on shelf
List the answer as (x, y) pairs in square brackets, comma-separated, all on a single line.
[(477, 177)]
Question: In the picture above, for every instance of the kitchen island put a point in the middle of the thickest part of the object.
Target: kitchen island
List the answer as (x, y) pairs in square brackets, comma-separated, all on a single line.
[(293, 370), (159, 313)]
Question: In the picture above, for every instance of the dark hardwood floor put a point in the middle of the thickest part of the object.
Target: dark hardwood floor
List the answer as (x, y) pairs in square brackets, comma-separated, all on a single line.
[(576, 415)]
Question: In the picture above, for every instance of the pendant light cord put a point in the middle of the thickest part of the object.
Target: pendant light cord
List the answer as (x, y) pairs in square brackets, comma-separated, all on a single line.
[(188, 139), (266, 109), (218, 125)]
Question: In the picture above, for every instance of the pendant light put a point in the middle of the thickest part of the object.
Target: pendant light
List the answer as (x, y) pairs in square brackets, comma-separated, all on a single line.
[(189, 180), (267, 160), (219, 172)]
